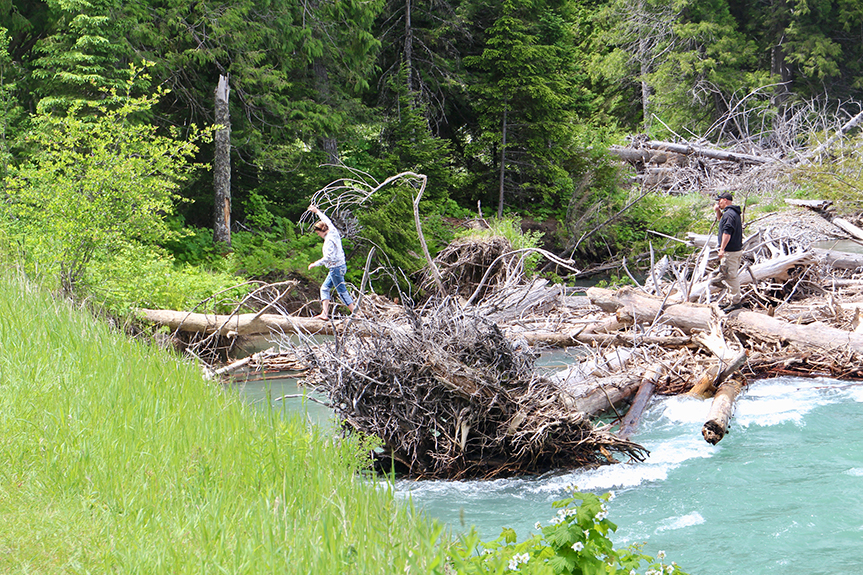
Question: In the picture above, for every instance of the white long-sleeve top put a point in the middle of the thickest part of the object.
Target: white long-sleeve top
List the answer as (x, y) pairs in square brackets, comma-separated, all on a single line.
[(334, 254)]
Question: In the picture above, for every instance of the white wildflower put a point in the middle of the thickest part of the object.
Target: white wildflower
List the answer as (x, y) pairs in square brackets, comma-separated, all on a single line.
[(660, 555), (537, 526), (669, 569), (577, 546), (611, 495), (555, 520), (601, 515)]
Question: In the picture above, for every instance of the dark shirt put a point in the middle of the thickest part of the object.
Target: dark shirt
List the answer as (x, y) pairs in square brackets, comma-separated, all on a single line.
[(731, 224)]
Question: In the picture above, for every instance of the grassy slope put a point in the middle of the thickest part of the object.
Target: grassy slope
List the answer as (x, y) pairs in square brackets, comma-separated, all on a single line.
[(115, 457)]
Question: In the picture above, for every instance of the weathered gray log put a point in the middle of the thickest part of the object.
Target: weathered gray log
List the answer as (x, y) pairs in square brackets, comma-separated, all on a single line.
[(642, 397), (571, 338), (839, 260), (716, 426), (632, 306), (574, 377), (774, 268), (514, 302)]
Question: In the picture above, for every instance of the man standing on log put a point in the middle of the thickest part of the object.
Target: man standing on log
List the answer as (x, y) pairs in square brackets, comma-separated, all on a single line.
[(334, 259), (730, 246)]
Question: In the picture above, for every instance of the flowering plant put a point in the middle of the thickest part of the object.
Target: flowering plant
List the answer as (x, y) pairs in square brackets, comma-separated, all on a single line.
[(575, 541)]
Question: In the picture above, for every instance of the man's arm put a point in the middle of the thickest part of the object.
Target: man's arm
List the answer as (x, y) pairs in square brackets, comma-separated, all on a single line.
[(725, 239)]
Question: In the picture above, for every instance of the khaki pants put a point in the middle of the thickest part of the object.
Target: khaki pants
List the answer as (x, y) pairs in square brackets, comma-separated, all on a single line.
[(728, 268)]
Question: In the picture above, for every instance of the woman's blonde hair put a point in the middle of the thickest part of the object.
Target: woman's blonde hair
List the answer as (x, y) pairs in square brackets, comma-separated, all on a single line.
[(320, 227)]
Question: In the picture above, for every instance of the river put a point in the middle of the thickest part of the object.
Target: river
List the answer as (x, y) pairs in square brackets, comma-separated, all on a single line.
[(779, 494)]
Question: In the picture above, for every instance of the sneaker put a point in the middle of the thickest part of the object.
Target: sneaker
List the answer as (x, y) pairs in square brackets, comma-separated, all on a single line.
[(732, 307)]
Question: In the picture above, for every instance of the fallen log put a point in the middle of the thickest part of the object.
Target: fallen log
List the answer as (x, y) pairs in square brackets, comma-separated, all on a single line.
[(839, 260), (642, 397), (606, 393), (811, 204), (237, 324), (716, 426), (690, 150), (576, 374), (848, 228)]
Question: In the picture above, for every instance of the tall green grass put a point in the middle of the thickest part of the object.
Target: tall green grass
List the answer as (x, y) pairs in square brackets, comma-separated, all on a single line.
[(115, 457)]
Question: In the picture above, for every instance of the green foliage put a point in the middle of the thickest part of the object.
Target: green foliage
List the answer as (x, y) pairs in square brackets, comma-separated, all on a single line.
[(96, 180), (137, 276), (10, 109), (528, 96), (836, 177), (79, 58), (576, 541), (387, 220)]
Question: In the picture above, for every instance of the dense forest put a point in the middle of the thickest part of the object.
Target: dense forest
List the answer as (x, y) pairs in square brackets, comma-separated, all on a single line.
[(123, 122)]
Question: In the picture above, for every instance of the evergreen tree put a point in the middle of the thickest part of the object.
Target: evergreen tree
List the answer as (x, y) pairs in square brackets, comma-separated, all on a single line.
[(527, 98), (83, 54)]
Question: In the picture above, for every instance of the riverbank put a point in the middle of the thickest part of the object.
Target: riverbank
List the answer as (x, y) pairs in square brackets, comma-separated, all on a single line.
[(117, 457)]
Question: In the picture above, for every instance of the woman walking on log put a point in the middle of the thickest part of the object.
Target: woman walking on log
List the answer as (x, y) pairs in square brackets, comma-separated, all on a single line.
[(334, 259)]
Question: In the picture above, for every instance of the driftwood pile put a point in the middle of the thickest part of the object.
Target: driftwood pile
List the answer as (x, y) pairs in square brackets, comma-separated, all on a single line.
[(451, 397), (453, 390)]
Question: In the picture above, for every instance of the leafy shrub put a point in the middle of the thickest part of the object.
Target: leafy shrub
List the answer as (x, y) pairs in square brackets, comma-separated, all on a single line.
[(576, 541), (138, 276)]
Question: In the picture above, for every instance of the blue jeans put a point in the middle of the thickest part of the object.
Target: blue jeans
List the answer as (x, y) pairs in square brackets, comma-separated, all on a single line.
[(336, 278)]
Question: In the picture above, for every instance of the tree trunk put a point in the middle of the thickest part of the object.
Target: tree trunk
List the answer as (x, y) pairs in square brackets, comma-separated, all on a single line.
[(502, 166), (322, 85), (222, 167)]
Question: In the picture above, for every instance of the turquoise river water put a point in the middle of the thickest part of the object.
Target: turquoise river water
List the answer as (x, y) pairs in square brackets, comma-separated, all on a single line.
[(779, 494)]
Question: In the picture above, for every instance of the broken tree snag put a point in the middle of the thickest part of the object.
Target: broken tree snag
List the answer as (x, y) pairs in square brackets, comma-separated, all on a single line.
[(716, 426), (704, 385), (642, 397)]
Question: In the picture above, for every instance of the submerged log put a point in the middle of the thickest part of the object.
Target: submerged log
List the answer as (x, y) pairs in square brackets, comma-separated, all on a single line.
[(642, 397), (716, 426)]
